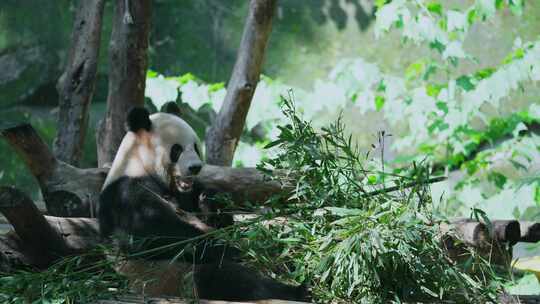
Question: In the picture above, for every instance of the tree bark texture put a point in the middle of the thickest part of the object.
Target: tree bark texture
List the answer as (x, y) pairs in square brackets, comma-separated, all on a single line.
[(76, 85), (244, 184), (13, 254), (128, 61), (223, 136)]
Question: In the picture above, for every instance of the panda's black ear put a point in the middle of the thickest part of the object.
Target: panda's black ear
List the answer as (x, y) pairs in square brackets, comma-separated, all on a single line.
[(139, 118)]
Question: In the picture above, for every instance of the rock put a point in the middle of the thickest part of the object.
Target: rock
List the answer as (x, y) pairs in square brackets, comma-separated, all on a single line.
[(30, 72)]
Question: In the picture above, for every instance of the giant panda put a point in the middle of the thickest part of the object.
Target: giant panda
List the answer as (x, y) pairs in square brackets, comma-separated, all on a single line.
[(150, 180)]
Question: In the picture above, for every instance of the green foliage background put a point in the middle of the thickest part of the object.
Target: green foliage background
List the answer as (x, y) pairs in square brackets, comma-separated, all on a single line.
[(452, 84)]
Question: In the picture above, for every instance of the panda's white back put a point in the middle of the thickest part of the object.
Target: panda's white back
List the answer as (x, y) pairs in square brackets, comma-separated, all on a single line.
[(145, 152)]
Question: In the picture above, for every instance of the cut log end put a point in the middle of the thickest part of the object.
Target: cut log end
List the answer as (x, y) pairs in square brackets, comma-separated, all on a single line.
[(506, 231), (530, 232)]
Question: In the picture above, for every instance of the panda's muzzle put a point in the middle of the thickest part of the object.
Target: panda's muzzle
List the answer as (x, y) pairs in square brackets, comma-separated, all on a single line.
[(183, 184), (188, 165)]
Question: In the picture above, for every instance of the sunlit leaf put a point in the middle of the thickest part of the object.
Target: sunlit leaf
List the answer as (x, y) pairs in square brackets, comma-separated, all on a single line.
[(379, 102), (435, 7)]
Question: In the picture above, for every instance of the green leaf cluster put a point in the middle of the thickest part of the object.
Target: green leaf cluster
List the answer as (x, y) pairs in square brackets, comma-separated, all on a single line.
[(344, 232), (71, 280)]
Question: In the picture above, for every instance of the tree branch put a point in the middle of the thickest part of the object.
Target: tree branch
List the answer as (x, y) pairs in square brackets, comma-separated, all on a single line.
[(32, 149), (76, 85), (225, 132)]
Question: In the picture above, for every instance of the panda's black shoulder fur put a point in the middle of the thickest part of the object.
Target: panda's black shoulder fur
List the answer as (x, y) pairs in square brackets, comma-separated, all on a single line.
[(144, 209), (139, 118), (130, 198)]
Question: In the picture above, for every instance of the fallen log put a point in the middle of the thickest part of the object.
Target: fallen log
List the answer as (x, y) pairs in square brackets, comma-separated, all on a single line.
[(245, 184)]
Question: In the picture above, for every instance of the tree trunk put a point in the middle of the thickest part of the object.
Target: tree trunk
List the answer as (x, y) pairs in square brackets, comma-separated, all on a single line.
[(223, 136), (76, 85), (127, 72)]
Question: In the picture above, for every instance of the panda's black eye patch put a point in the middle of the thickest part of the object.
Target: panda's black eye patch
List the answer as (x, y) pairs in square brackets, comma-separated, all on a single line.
[(176, 150), (197, 150)]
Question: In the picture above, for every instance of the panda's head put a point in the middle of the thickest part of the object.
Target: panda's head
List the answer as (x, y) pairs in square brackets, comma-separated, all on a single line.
[(160, 145)]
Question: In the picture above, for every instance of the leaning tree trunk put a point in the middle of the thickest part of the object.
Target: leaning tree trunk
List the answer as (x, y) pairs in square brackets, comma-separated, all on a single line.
[(76, 85), (127, 72), (223, 136), (67, 190)]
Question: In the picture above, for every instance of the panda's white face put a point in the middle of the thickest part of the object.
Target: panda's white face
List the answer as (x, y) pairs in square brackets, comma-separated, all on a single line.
[(170, 150)]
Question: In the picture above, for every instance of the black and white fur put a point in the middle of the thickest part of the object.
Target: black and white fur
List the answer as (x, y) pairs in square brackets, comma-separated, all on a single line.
[(150, 178)]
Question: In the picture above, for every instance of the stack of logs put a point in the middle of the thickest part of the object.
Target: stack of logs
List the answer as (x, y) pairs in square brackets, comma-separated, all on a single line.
[(71, 194)]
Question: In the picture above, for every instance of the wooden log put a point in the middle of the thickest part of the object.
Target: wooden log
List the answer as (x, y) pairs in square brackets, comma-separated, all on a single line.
[(244, 184), (530, 232), (13, 254), (223, 135), (80, 234), (76, 85), (68, 191), (44, 242)]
